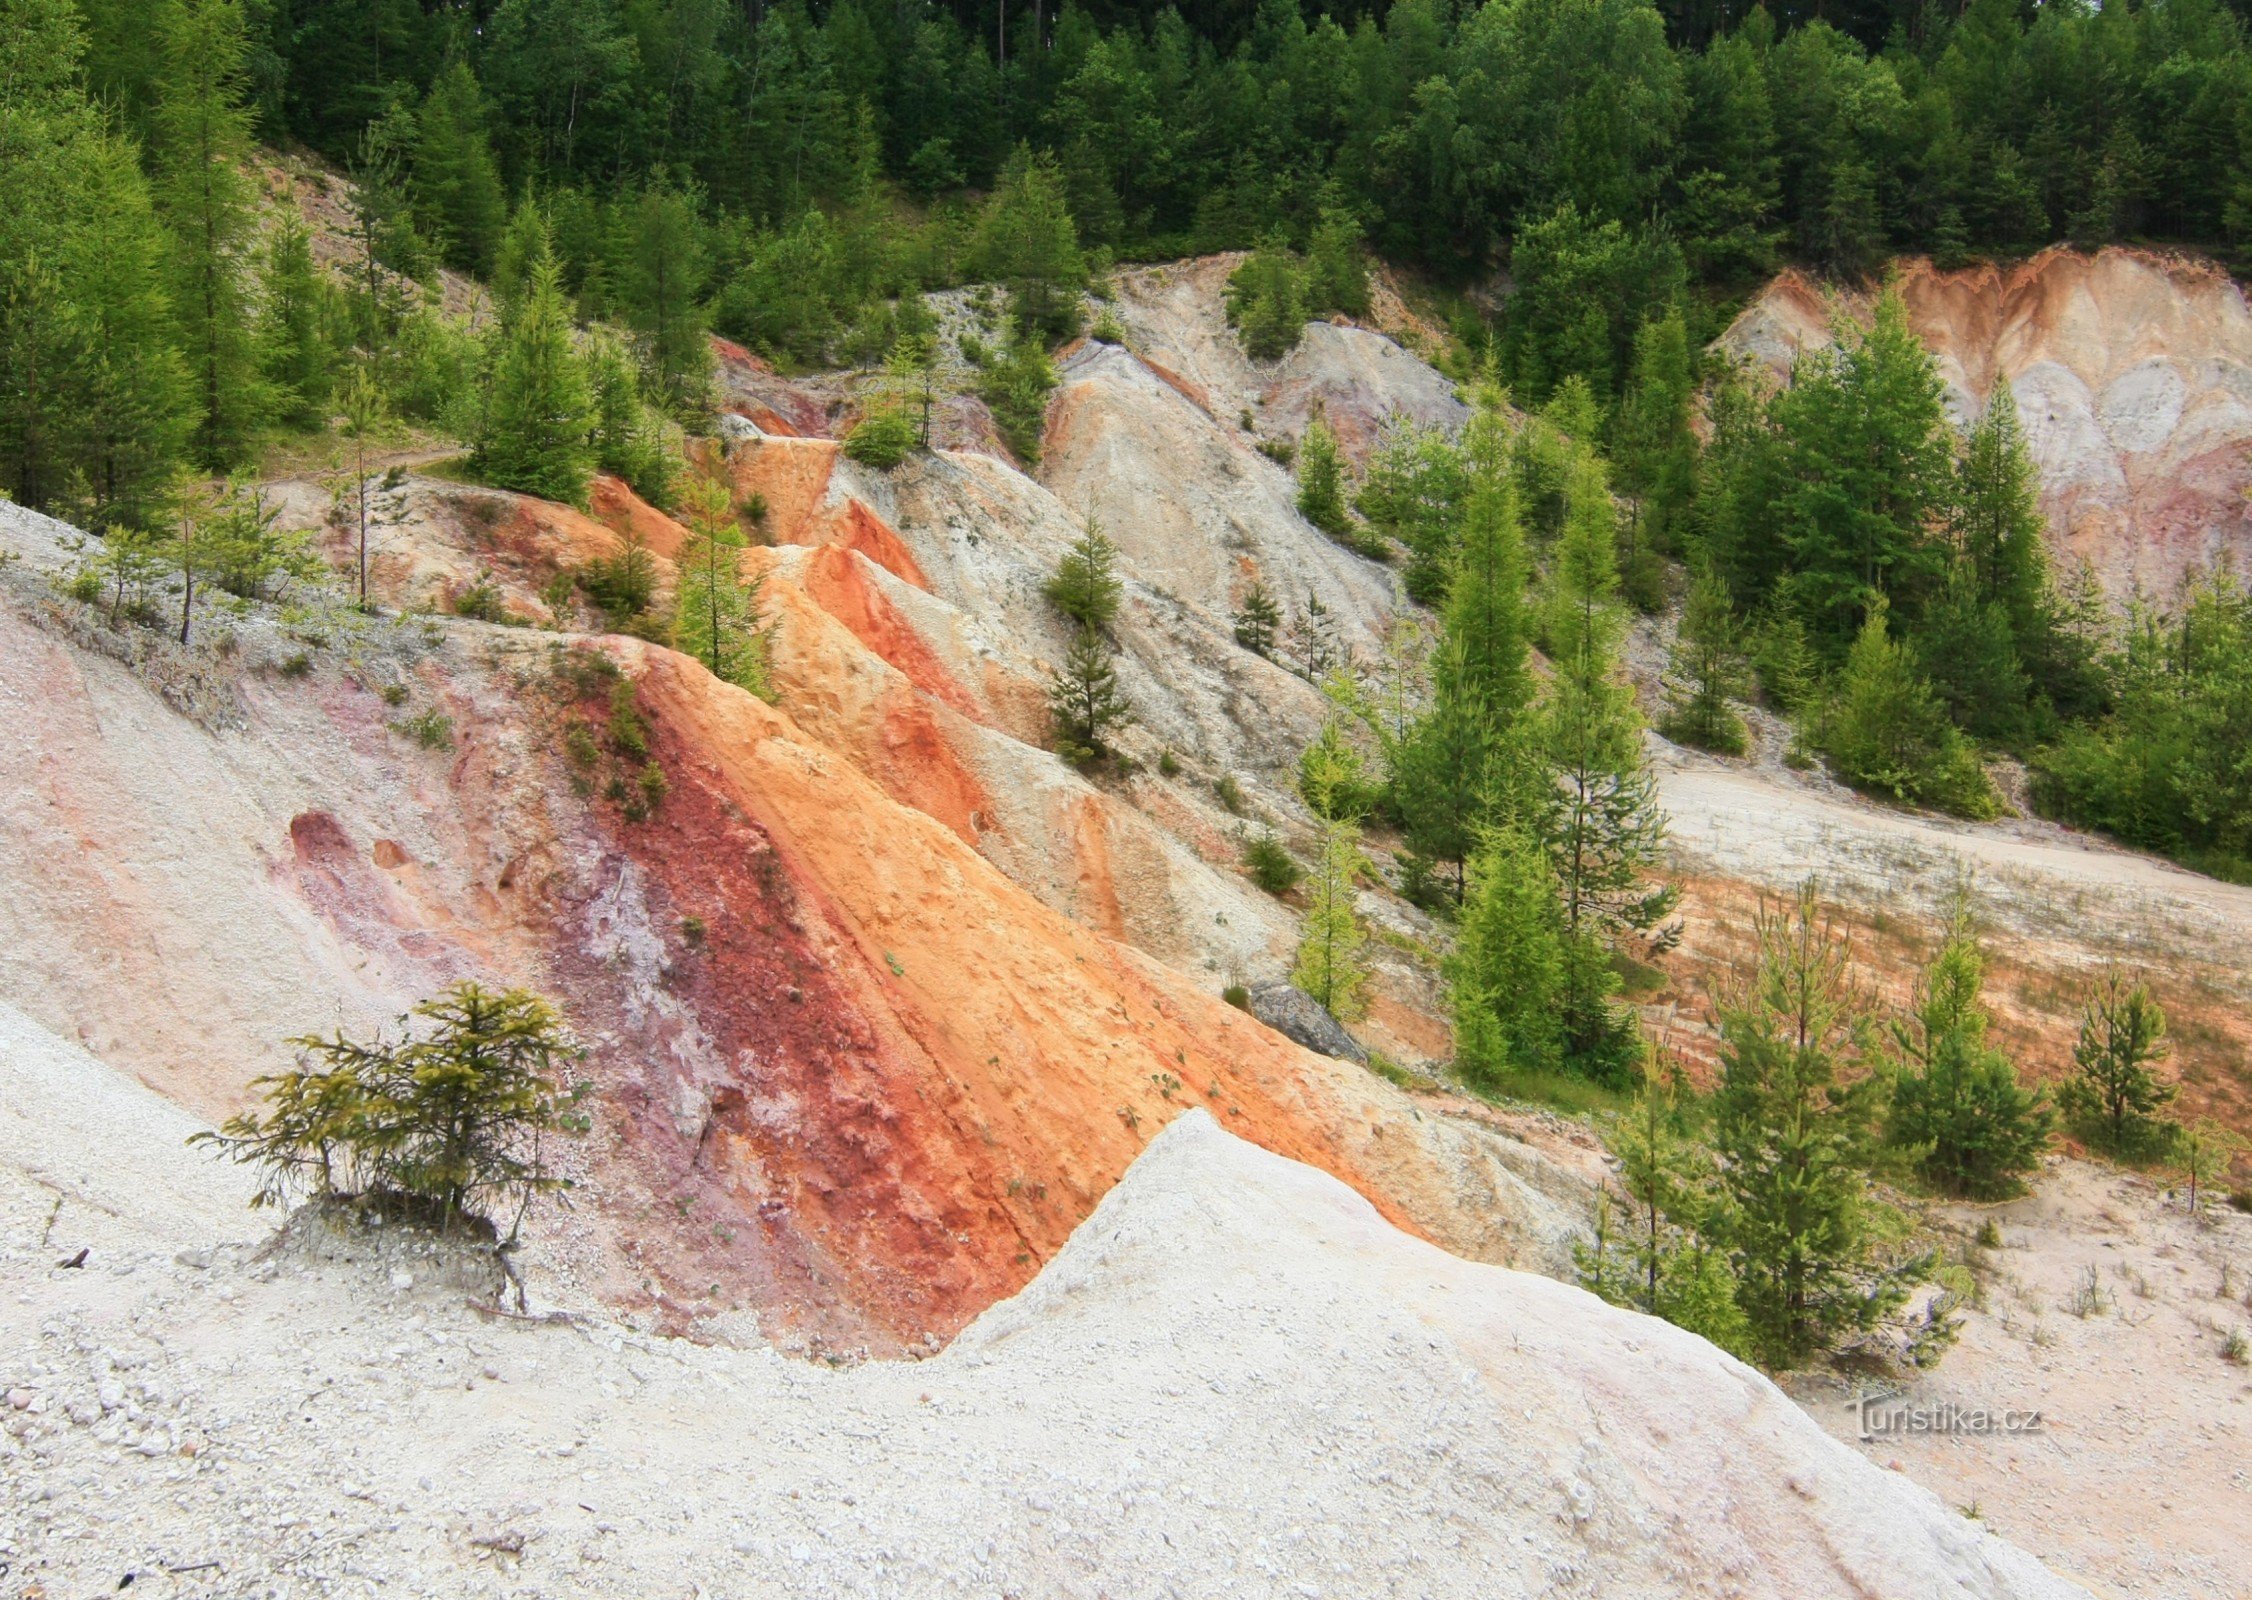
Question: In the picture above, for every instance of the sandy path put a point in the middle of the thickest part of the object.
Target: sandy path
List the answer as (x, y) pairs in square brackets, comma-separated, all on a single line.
[(2033, 878)]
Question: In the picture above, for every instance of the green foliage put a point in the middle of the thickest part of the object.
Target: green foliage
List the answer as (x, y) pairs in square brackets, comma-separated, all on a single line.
[(1789, 1131), (1706, 672), (622, 586), (1957, 1108), (1584, 285), (1257, 622), (1443, 779), (1657, 1253), (1321, 481), (1507, 972), (1015, 388), (1336, 269), (297, 315), (199, 133), (452, 1119), (630, 439), (1027, 241), (1883, 729), (1600, 820), (535, 433), (1084, 700), (2164, 769), (458, 197), (1413, 491), (661, 283), (1086, 587), (716, 612), (1266, 300), (1333, 779), (1330, 966), (2114, 1095), (883, 438), (1271, 867)]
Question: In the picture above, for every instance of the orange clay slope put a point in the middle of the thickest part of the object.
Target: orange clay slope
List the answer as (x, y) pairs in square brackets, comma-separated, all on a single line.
[(926, 1078), (2132, 372)]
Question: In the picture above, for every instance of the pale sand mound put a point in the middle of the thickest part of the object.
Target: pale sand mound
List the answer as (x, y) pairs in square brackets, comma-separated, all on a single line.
[(1235, 1380), (2133, 377)]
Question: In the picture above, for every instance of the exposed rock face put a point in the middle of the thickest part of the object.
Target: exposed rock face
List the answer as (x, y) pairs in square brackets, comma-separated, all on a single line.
[(2133, 377), (847, 1069), (1235, 1379), (1299, 1017)]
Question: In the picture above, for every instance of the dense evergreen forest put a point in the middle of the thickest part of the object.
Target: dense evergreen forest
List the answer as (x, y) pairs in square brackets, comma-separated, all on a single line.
[(623, 176)]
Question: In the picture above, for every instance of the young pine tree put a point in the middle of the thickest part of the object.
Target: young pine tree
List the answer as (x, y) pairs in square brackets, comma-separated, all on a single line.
[(716, 611), (199, 136), (1506, 974), (1706, 672), (1656, 453), (1026, 240), (1258, 621), (661, 285), (1957, 1107), (458, 197), (1602, 824), (1663, 1259), (1086, 587), (1330, 966), (1266, 300), (1084, 698), (536, 421), (2113, 1097), (1788, 1132), (1321, 481), (1884, 729), (295, 320), (1449, 764)]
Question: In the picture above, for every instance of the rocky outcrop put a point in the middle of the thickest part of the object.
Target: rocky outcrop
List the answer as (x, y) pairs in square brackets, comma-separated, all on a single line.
[(1300, 1018), (2132, 372)]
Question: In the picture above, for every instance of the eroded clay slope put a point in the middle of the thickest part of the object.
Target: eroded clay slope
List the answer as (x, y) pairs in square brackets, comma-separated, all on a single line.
[(852, 1081), (2132, 372), (1235, 1379)]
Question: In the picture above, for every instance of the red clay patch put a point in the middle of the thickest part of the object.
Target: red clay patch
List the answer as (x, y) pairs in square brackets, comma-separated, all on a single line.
[(837, 582)]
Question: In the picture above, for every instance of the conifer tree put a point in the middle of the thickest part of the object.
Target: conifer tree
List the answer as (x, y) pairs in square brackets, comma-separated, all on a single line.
[(1086, 587), (457, 187), (662, 287), (1656, 453), (1321, 481), (1266, 300), (1330, 966), (1602, 825), (1256, 623), (1957, 1107), (1480, 681), (1884, 729), (365, 496), (1336, 273), (1706, 672), (294, 328), (1026, 240), (716, 611), (199, 136), (1506, 974), (1412, 492), (1332, 778), (630, 438), (1084, 698), (535, 431), (2113, 1097), (1665, 1259), (1788, 1131)]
